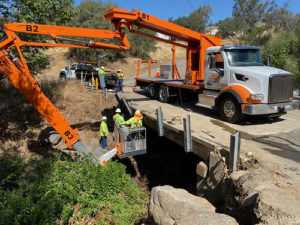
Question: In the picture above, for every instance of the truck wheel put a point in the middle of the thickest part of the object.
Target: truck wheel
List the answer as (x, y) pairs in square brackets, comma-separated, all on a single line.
[(230, 110), (162, 94), (153, 90), (63, 78)]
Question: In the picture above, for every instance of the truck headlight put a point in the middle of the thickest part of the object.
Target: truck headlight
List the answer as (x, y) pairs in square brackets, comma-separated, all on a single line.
[(296, 93), (257, 97)]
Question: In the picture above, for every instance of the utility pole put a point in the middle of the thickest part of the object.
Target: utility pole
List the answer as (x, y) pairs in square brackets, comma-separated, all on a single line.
[(211, 13)]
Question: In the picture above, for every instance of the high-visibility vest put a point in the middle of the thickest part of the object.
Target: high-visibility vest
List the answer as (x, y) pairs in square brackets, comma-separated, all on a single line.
[(118, 119), (101, 71), (103, 129), (134, 122), (120, 76)]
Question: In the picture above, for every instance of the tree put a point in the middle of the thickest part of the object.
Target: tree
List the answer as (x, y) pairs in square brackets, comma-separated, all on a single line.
[(229, 27), (92, 16), (196, 21), (249, 11), (51, 12), (281, 18)]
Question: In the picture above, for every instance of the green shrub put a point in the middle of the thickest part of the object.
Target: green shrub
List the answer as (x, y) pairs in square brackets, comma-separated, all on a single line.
[(282, 48), (53, 191)]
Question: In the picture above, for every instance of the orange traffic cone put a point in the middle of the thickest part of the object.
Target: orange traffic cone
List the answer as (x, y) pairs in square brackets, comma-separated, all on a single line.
[(157, 72)]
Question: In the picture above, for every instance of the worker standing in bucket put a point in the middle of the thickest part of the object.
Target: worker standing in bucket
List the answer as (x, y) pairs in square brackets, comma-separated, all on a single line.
[(101, 76), (103, 132), (118, 118), (134, 122), (120, 76)]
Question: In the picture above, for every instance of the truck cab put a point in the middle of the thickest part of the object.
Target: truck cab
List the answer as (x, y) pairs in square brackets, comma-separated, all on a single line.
[(238, 83)]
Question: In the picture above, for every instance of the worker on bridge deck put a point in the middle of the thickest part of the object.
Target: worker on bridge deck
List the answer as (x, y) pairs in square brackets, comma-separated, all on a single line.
[(118, 118), (103, 132), (134, 122), (101, 76), (120, 76)]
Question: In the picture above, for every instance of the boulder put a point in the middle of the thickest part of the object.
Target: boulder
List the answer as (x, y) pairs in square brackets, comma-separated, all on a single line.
[(274, 206), (252, 179), (254, 198), (170, 206), (49, 136), (237, 174)]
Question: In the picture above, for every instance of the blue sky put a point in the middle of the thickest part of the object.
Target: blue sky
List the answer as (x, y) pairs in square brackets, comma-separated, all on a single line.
[(165, 9)]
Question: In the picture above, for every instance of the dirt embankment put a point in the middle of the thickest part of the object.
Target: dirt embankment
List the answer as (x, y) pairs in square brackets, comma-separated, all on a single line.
[(21, 124)]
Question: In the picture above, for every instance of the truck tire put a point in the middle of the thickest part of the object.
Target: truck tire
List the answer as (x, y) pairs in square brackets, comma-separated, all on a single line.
[(153, 90), (63, 78), (162, 94), (230, 110)]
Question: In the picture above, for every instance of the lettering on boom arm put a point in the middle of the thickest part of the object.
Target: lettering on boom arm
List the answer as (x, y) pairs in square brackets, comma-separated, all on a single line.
[(145, 16), (69, 135), (32, 28)]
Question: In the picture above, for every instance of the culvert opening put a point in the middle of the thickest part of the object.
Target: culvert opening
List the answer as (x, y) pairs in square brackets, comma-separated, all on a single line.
[(166, 163)]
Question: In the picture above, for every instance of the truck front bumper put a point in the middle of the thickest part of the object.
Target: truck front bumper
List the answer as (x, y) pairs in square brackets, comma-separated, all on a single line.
[(260, 109)]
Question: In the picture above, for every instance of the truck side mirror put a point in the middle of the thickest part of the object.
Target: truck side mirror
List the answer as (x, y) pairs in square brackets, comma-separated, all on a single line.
[(212, 62), (269, 62)]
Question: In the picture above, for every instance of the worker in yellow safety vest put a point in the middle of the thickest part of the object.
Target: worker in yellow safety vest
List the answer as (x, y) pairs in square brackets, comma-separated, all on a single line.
[(101, 76), (118, 118), (120, 76), (103, 132), (134, 122)]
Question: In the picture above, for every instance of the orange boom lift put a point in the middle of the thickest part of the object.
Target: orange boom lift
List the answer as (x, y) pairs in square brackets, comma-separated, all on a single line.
[(197, 43), (16, 70)]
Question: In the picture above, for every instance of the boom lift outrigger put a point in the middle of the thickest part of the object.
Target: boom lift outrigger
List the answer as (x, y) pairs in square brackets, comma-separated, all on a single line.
[(17, 72)]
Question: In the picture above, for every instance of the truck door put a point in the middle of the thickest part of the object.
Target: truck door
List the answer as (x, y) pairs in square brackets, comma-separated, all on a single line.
[(215, 79), (73, 68)]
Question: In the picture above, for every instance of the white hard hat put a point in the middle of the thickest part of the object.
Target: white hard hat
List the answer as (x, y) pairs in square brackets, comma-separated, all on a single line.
[(119, 70), (118, 110), (104, 118), (102, 67), (137, 112)]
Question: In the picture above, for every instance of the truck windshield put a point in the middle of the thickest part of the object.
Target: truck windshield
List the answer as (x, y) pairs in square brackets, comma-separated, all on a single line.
[(244, 57)]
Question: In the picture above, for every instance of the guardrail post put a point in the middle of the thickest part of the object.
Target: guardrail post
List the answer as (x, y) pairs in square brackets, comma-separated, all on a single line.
[(160, 125), (188, 145), (234, 156), (81, 77), (92, 88)]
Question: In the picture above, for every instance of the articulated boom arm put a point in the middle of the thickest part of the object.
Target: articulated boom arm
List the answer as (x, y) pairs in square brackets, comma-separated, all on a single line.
[(197, 42), (16, 70)]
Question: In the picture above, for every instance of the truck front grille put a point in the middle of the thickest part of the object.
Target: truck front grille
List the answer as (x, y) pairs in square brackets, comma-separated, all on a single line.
[(281, 88)]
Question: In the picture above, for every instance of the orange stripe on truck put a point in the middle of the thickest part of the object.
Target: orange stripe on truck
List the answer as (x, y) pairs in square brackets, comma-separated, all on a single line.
[(243, 92)]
